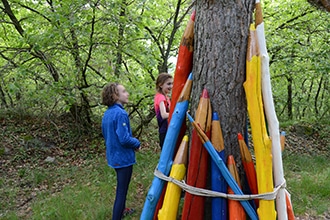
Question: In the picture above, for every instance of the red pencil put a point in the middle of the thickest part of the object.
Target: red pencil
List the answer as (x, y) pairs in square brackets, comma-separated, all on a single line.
[(248, 166), (193, 207)]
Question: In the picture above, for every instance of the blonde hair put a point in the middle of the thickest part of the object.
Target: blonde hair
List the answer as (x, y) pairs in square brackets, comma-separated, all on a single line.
[(110, 94)]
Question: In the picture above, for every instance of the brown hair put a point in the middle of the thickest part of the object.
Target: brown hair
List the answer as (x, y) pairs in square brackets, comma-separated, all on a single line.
[(110, 94), (162, 77)]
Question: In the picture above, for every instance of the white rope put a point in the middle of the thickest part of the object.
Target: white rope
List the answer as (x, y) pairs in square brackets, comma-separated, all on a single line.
[(209, 193)]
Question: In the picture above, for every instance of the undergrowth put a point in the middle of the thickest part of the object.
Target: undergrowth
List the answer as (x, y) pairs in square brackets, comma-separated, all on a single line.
[(79, 185)]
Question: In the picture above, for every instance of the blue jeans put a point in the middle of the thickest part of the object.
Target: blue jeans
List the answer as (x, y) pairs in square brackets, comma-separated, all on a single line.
[(123, 179)]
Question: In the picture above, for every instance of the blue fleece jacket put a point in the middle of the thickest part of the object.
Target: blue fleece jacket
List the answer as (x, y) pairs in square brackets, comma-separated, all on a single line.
[(117, 133)]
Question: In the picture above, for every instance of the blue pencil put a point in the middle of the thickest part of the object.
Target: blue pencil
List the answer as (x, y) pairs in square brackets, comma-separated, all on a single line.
[(218, 183), (166, 156)]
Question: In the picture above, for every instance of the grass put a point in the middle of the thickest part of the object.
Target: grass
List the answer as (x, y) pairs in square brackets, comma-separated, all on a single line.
[(80, 185), (88, 192), (308, 181), (91, 191), (92, 194)]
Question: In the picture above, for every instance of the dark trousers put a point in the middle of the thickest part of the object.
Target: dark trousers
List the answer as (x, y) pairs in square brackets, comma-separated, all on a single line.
[(123, 179), (161, 139)]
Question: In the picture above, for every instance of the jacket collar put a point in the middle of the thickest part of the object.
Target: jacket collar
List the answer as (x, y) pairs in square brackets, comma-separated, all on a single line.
[(116, 105)]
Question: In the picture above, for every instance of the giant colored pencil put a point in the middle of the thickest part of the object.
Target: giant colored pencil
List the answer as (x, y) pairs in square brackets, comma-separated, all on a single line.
[(235, 209), (261, 141), (282, 140), (218, 183), (289, 206), (223, 168), (166, 156), (193, 207), (182, 70), (273, 124), (184, 63), (170, 206), (248, 166)]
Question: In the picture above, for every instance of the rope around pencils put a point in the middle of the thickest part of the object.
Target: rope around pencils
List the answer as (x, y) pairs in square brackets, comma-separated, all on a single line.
[(209, 193)]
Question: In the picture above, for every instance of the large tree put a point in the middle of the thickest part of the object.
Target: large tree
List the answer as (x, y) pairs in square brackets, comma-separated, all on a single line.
[(221, 35)]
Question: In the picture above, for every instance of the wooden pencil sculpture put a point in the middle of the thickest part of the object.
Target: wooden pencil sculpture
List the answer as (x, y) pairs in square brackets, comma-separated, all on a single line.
[(289, 208), (235, 209), (273, 124), (248, 166), (166, 156), (218, 183), (193, 207), (223, 168), (182, 69), (170, 206), (261, 141), (282, 140), (184, 63)]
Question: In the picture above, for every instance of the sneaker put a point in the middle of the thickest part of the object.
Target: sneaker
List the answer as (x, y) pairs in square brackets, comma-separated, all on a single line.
[(128, 211)]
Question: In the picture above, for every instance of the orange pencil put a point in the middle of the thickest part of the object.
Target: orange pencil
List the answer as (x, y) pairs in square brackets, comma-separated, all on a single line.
[(236, 211)]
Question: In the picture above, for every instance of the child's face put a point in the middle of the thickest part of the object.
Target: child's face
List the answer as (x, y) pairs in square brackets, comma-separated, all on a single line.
[(167, 86), (122, 95)]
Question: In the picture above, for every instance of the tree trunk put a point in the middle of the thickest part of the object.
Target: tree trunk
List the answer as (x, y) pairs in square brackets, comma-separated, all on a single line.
[(317, 96), (289, 99), (3, 98), (221, 34), (321, 4)]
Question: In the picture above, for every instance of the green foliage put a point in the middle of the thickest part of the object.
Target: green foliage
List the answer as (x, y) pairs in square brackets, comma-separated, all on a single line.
[(297, 38), (79, 46), (69, 50)]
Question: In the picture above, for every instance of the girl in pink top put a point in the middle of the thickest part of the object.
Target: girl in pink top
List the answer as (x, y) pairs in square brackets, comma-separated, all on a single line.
[(162, 103)]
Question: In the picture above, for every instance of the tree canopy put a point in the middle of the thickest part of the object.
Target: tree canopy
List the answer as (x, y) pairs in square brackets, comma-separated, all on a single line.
[(55, 57)]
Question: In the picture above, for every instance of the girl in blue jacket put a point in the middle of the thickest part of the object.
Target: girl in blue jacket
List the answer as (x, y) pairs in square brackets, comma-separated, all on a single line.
[(120, 144)]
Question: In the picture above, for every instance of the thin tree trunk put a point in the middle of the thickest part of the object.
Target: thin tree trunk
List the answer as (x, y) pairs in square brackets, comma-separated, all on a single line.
[(3, 98), (317, 96), (308, 96), (289, 98), (121, 30)]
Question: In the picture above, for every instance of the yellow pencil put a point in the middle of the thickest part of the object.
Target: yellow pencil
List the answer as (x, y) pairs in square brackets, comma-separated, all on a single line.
[(170, 206)]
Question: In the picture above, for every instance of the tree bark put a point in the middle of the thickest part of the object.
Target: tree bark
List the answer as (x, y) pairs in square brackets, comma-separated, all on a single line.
[(221, 31), (321, 4)]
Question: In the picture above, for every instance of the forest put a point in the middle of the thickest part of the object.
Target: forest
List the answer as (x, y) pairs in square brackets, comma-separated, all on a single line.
[(56, 56)]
